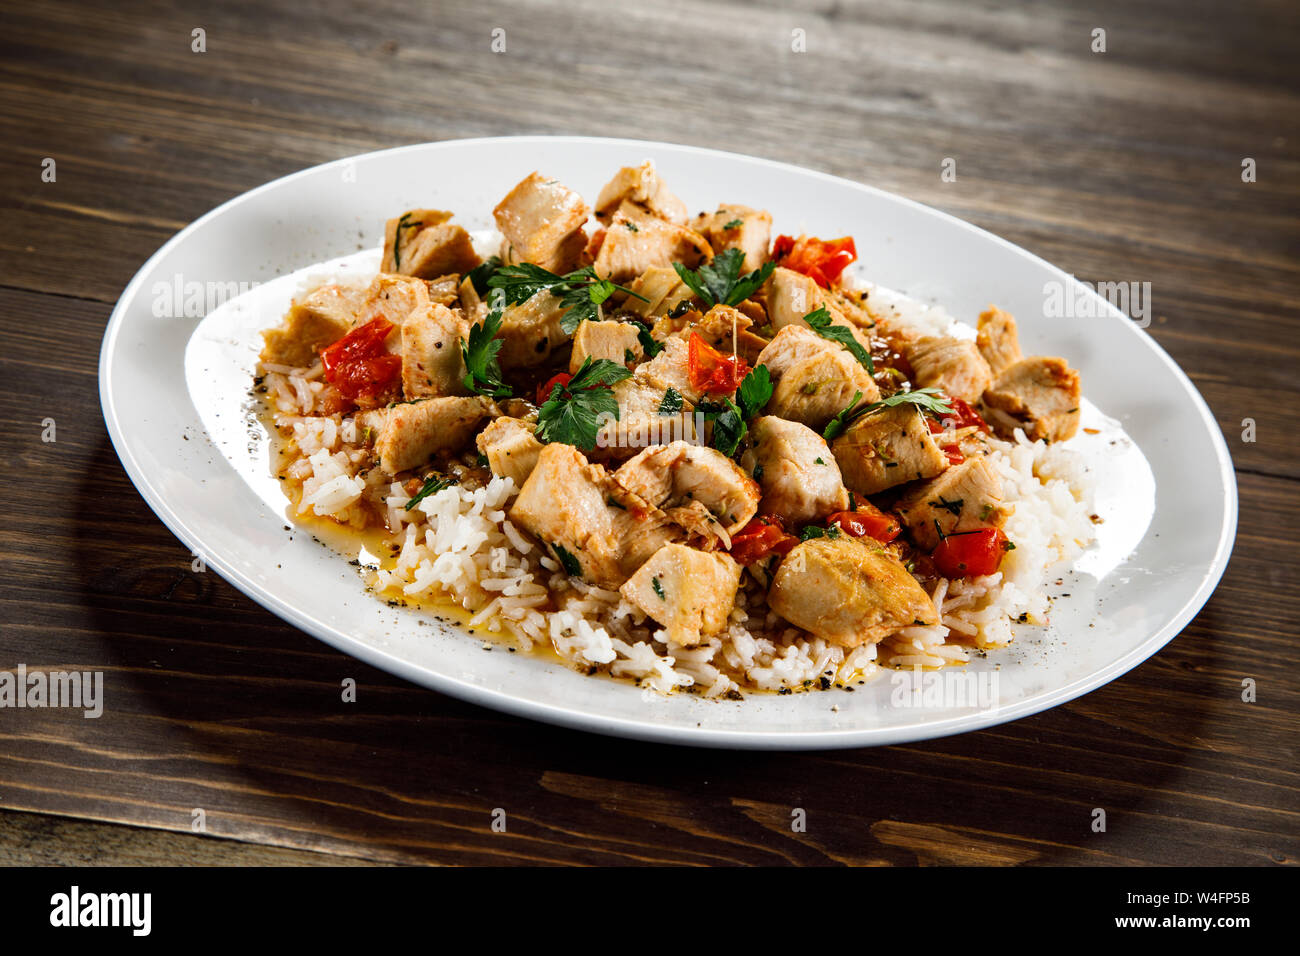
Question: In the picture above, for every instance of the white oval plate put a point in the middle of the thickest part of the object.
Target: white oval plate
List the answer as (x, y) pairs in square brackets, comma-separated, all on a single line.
[(174, 390)]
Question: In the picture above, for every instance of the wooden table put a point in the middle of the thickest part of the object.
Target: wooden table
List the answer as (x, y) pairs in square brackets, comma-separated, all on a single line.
[(1122, 165)]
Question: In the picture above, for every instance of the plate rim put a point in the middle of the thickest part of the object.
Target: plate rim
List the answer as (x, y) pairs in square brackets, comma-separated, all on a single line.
[(647, 730)]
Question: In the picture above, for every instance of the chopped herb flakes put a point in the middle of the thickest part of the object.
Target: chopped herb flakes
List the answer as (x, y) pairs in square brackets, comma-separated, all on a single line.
[(570, 564), (402, 225), (431, 487), (952, 507)]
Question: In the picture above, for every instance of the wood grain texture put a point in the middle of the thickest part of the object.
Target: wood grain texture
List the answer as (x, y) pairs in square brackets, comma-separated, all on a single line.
[(1117, 166)]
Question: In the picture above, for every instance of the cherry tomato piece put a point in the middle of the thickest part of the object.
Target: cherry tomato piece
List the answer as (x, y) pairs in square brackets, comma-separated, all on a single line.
[(544, 390), (822, 260), (971, 554), (759, 539), (863, 523), (711, 371)]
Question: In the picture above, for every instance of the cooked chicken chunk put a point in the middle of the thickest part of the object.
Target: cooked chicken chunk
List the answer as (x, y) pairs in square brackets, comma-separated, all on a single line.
[(445, 290), (395, 297), (800, 480), (590, 522), (643, 417), (314, 321), (470, 302), (635, 242), (691, 593), (531, 331), (641, 186), (790, 296), (886, 448), (670, 368), (815, 379), (615, 341), (852, 304), (954, 366), (431, 359), (413, 432), (510, 448), (790, 346), (542, 221), (819, 388), (680, 475), (847, 592), (964, 497), (1039, 394), (998, 340), (422, 243), (738, 227), (661, 289)]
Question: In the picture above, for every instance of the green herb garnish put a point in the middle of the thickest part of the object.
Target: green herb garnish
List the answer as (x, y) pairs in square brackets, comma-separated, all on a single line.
[(580, 292), (720, 283), (952, 507), (819, 320), (729, 417), (755, 391), (815, 531), (734, 224), (480, 275), (672, 402), (659, 590), (649, 344), (571, 565), (926, 399), (728, 425), (397, 237), (571, 414), (431, 487), (483, 372)]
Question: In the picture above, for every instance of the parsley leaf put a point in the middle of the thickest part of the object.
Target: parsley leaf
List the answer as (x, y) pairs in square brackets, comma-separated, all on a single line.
[(672, 402), (734, 224), (729, 418), (649, 344), (431, 487), (819, 321), (580, 292), (571, 415), (728, 424), (720, 283), (482, 272), (483, 372), (755, 391), (659, 589), (926, 399)]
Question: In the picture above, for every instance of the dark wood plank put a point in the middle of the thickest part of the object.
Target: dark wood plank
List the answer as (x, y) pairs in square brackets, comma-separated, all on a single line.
[(33, 839), (1122, 166)]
